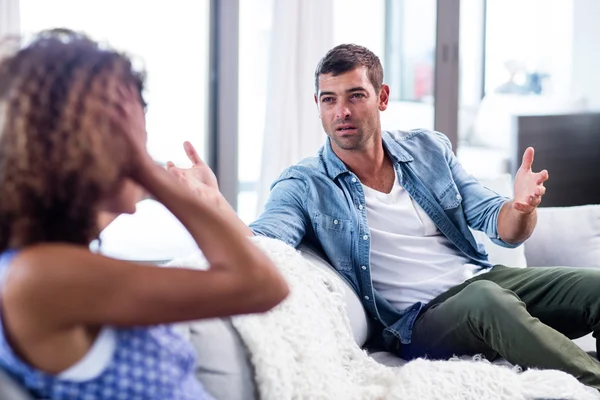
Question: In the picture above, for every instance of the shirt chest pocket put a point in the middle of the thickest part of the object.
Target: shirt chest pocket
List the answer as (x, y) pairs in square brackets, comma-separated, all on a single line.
[(448, 197), (336, 237)]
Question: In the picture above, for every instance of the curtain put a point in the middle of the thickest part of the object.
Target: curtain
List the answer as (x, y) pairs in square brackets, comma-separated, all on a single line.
[(301, 35), (9, 18), (9, 26)]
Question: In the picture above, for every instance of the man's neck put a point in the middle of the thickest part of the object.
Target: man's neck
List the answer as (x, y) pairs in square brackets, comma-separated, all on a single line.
[(371, 165), (365, 163)]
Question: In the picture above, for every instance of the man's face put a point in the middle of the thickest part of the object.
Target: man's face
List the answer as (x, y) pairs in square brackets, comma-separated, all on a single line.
[(349, 108)]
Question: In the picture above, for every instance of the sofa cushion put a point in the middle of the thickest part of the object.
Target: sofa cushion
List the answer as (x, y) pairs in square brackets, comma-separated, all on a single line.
[(566, 236), (9, 389), (223, 365)]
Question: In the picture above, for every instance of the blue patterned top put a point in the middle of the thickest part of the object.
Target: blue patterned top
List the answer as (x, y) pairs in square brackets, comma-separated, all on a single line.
[(147, 363)]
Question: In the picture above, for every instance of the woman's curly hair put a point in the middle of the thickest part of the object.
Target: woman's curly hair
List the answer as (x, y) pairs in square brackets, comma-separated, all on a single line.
[(60, 151)]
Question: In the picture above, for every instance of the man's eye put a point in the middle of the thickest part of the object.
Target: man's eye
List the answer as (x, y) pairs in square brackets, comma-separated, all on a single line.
[(327, 99), (357, 95)]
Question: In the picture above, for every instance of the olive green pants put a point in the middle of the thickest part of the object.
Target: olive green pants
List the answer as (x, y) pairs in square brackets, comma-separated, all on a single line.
[(527, 316)]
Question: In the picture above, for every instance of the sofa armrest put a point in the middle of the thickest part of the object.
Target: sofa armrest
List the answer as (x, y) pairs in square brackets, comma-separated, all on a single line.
[(359, 320), (565, 236)]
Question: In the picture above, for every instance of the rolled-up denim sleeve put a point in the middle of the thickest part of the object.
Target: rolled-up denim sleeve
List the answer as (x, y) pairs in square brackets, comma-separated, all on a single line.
[(481, 205), (284, 214)]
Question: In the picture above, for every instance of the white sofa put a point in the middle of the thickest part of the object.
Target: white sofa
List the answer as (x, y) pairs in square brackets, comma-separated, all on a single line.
[(564, 237)]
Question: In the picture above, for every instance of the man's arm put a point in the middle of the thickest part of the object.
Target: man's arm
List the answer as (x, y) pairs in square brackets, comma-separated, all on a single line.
[(518, 217), (284, 216), (515, 227), (508, 222)]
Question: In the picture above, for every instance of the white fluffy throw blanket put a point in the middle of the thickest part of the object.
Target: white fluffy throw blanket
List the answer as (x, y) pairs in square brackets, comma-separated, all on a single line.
[(304, 349)]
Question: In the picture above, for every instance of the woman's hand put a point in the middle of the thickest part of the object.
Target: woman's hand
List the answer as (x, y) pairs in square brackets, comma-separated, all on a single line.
[(128, 117)]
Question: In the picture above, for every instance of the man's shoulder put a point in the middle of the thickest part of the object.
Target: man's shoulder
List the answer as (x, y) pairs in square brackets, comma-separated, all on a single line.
[(305, 168), (418, 136), (418, 142)]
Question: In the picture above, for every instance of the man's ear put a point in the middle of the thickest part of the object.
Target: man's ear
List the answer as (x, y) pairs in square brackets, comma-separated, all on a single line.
[(384, 97)]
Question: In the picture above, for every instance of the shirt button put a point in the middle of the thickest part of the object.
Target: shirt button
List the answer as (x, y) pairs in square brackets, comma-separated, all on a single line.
[(364, 268), (360, 207), (335, 222), (354, 180), (366, 297), (366, 237), (458, 196)]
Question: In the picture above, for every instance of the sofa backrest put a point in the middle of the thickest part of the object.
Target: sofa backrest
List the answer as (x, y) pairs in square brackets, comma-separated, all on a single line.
[(565, 237)]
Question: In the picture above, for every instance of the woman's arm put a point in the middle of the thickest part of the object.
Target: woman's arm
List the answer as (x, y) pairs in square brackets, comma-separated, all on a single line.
[(61, 286), (66, 286)]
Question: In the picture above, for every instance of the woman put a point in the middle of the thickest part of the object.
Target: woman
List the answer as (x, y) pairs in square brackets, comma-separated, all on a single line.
[(74, 324)]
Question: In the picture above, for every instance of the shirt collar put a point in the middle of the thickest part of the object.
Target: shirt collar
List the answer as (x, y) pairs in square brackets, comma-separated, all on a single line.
[(335, 167)]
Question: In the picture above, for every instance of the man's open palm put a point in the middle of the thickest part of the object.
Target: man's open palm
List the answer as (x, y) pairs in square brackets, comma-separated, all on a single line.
[(529, 185)]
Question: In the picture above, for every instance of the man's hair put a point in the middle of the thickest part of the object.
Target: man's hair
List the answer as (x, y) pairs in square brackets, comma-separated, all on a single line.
[(60, 152), (346, 57)]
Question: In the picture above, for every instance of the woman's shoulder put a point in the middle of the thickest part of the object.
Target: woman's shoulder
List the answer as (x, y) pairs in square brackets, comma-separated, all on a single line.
[(32, 275), (35, 263)]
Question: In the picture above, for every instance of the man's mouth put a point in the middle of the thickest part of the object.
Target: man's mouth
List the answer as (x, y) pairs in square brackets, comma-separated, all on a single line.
[(345, 128)]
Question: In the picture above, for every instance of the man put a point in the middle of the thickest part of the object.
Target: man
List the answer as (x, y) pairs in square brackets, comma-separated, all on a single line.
[(392, 211)]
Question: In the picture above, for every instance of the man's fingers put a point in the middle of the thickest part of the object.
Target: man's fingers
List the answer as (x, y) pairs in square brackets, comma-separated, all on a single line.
[(192, 154), (543, 177), (534, 201), (540, 191), (528, 158), (521, 207), (524, 208)]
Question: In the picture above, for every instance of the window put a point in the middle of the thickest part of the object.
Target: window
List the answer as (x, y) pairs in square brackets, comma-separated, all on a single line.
[(523, 66), (354, 21), (410, 49), (255, 36), (169, 39), (532, 54), (409, 63)]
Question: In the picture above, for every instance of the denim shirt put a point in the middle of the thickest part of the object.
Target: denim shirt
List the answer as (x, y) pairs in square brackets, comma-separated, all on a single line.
[(320, 203)]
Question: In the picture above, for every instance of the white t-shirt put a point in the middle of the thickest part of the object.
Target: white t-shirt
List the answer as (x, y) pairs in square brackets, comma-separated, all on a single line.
[(411, 260)]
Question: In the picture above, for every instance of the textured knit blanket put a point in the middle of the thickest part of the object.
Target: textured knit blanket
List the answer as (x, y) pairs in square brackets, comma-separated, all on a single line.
[(304, 349)]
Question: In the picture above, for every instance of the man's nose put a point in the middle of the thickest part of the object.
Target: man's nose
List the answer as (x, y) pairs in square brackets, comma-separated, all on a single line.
[(342, 111)]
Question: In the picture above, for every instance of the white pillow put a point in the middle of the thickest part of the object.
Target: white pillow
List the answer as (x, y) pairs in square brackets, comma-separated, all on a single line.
[(566, 236), (502, 185)]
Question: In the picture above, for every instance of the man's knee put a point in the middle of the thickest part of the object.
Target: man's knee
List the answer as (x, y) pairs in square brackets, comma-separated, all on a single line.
[(489, 299), (588, 281)]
